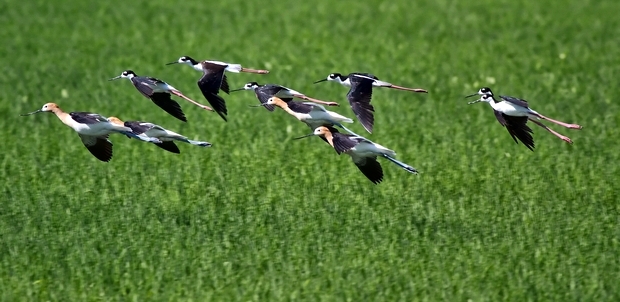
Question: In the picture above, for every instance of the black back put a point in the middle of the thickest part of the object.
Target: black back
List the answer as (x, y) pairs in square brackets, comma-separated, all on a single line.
[(516, 101), (137, 127), (87, 117), (299, 106)]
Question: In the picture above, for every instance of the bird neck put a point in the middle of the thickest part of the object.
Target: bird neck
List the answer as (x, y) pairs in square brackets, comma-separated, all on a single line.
[(330, 138), (62, 116)]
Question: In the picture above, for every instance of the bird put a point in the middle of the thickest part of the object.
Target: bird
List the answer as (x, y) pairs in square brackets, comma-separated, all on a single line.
[(93, 129), (313, 115), (165, 138), (214, 79), (513, 113), (160, 93), (264, 92), (360, 94), (362, 151)]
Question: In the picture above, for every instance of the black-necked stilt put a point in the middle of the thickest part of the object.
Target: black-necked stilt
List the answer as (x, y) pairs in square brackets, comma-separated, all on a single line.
[(159, 92), (149, 131), (92, 128), (264, 92), (363, 152), (213, 79), (360, 94), (513, 113)]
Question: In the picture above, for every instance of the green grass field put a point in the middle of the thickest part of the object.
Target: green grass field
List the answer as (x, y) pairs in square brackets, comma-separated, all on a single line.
[(262, 217)]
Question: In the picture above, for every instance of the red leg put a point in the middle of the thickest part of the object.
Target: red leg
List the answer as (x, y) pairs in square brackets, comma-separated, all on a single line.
[(179, 94), (260, 71), (408, 89), (569, 126), (303, 97), (562, 137)]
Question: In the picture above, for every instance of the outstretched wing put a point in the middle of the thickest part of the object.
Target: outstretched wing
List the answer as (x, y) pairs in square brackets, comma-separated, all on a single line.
[(99, 146), (165, 102), (517, 127), (343, 142), (370, 167)]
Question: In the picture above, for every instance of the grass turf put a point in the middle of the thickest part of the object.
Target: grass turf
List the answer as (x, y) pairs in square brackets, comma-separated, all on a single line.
[(261, 217)]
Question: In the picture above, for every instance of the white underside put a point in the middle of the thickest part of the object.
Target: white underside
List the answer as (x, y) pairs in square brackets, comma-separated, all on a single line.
[(366, 149), (512, 109), (317, 116), (164, 135), (98, 129)]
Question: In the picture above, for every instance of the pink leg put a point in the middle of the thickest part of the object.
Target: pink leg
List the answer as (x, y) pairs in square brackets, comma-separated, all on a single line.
[(179, 94), (408, 89), (260, 71), (562, 137), (303, 97), (569, 126)]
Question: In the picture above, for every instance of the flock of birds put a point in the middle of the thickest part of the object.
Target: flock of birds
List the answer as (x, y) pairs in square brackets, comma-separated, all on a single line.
[(94, 129)]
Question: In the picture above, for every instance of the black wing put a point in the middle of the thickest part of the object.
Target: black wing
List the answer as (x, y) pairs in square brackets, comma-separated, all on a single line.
[(165, 102), (141, 84), (264, 92), (224, 87), (169, 146), (359, 97), (370, 167), (99, 146), (87, 117), (299, 107), (517, 127), (513, 100), (342, 142), (210, 82), (138, 127)]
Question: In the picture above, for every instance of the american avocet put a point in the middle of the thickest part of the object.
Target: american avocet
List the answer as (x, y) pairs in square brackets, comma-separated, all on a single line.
[(92, 128), (159, 92), (513, 113), (363, 152), (166, 138), (213, 79), (313, 115), (264, 92), (360, 94)]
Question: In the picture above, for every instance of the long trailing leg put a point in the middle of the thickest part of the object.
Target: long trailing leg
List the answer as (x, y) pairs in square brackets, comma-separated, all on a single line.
[(562, 137), (304, 97), (179, 94), (406, 167), (249, 70), (563, 124)]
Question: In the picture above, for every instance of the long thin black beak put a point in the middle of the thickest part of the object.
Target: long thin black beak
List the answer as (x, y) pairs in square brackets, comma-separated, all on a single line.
[(175, 62), (475, 94), (25, 114), (473, 102), (261, 105), (114, 78), (237, 89), (307, 135), (319, 81)]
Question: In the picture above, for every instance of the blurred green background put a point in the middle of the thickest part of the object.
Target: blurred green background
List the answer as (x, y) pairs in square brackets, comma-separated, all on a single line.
[(259, 217)]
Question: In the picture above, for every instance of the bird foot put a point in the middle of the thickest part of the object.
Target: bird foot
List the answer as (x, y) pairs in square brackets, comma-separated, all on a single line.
[(566, 139)]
